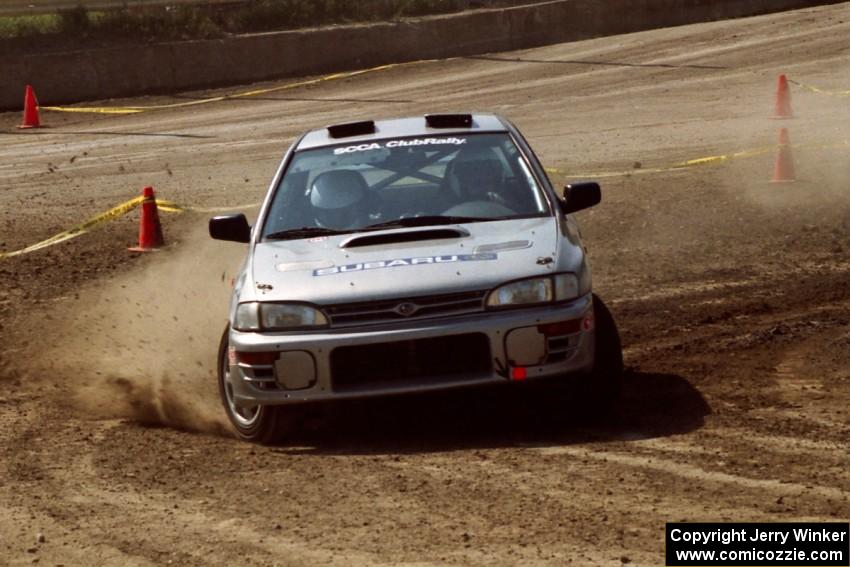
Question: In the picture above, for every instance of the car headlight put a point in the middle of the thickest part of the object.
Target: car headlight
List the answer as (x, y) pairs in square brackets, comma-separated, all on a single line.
[(277, 316), (247, 317), (548, 289)]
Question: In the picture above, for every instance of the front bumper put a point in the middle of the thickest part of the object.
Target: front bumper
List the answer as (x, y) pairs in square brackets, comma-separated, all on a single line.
[(307, 368)]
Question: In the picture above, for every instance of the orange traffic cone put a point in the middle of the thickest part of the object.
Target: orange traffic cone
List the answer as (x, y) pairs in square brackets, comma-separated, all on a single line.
[(783, 99), (30, 110), (783, 170), (150, 231)]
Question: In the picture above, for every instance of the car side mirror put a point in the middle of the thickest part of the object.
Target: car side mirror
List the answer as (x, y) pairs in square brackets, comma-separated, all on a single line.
[(578, 196), (230, 227)]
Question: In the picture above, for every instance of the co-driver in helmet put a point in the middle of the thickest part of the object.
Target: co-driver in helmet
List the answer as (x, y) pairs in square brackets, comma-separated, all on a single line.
[(340, 199)]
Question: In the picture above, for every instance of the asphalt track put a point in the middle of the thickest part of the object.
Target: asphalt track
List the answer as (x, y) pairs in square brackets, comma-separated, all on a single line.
[(732, 295)]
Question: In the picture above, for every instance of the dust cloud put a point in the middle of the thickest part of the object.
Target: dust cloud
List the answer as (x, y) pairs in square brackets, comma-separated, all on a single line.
[(143, 346), (742, 191)]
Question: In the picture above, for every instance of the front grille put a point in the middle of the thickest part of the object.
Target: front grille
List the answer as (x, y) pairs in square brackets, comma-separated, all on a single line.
[(387, 311), (422, 361)]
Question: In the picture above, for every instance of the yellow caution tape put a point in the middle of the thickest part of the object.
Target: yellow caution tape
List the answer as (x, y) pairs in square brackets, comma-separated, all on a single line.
[(171, 206), (723, 157), (701, 161), (113, 213), (819, 90), (91, 110), (288, 86), (221, 209), (256, 92), (708, 160)]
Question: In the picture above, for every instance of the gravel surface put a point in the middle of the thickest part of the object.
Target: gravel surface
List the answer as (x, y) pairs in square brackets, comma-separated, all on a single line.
[(732, 295)]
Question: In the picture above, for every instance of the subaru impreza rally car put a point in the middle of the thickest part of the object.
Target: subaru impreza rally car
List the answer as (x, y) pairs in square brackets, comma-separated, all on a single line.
[(409, 255)]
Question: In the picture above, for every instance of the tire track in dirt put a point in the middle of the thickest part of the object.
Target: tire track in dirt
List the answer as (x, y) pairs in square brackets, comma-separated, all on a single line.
[(692, 472)]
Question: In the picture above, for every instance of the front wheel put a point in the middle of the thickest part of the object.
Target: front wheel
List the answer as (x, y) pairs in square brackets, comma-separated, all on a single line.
[(258, 424), (601, 389)]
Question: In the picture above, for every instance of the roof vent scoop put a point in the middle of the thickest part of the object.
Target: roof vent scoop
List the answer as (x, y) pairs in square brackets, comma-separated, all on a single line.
[(350, 129), (448, 120)]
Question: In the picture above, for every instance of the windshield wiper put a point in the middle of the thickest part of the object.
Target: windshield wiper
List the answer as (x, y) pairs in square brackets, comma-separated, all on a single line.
[(430, 220), (304, 232)]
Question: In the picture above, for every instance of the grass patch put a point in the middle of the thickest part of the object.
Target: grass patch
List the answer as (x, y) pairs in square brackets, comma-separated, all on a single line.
[(203, 21), (21, 26), (264, 15)]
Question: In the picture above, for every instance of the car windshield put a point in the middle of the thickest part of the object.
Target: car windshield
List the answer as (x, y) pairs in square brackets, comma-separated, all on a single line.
[(403, 182)]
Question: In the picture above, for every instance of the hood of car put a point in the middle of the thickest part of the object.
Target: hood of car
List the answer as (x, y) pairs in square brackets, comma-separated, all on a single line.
[(406, 262)]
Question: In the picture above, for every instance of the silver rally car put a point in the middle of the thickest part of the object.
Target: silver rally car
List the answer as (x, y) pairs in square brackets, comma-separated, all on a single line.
[(407, 255)]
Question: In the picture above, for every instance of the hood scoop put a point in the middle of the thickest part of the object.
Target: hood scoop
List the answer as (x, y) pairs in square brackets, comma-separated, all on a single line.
[(406, 236)]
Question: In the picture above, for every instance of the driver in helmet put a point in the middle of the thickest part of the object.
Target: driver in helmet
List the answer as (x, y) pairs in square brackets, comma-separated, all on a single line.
[(475, 173), (339, 199)]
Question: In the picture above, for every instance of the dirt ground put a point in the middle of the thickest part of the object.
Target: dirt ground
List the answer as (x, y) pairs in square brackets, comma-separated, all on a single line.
[(732, 295)]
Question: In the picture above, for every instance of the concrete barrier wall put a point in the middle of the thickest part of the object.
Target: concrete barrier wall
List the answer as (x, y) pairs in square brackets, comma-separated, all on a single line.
[(171, 67)]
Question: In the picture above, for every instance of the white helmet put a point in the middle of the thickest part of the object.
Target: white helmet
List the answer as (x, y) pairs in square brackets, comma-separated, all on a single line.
[(339, 199)]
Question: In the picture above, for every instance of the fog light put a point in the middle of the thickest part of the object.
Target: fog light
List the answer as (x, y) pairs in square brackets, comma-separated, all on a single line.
[(257, 358), (561, 328)]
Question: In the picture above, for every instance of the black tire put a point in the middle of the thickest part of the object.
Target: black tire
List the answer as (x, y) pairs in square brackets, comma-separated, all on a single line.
[(262, 424), (599, 391), (588, 398)]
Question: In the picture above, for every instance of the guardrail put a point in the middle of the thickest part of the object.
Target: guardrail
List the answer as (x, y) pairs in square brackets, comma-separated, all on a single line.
[(36, 7)]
